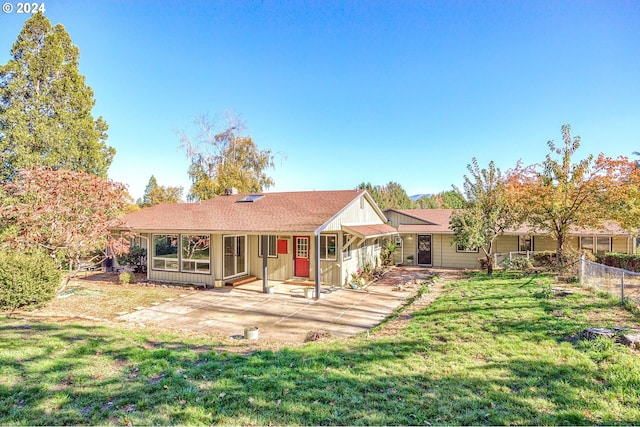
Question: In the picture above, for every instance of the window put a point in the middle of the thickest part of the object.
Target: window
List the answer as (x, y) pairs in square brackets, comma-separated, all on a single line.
[(459, 248), (273, 252), (196, 253), (165, 252), (328, 246), (602, 244), (187, 253), (376, 244), (251, 198), (346, 250), (525, 243)]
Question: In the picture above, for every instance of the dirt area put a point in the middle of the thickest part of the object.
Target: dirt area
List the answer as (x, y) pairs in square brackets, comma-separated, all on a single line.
[(99, 297)]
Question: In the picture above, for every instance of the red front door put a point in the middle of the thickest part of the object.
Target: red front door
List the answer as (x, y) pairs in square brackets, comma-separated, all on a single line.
[(301, 256)]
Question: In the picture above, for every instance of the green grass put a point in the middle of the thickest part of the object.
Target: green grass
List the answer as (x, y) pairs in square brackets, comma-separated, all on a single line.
[(488, 351)]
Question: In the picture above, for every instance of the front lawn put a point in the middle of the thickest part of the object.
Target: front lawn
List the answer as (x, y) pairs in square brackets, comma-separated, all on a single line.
[(487, 351)]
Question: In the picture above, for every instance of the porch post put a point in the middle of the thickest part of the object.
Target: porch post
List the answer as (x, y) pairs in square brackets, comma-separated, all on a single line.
[(265, 262), (316, 257)]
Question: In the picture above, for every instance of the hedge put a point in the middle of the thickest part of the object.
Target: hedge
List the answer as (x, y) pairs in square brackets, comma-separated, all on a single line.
[(619, 260)]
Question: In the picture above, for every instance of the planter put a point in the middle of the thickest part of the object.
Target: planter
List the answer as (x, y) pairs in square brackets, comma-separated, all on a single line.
[(309, 292), (251, 333)]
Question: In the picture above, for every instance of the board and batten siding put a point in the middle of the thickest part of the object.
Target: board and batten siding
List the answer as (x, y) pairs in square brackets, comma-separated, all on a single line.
[(397, 218), (279, 267), (622, 244), (361, 255), (359, 211)]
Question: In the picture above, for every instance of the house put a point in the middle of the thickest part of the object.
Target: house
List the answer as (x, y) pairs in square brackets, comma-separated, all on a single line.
[(424, 238), (312, 236)]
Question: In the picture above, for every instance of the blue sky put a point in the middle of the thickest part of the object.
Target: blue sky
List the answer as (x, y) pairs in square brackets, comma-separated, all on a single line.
[(353, 91)]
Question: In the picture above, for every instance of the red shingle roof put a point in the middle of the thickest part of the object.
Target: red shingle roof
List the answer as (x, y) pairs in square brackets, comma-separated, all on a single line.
[(304, 211)]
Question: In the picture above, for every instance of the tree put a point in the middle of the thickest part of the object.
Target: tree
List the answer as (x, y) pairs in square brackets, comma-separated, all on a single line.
[(45, 106), (389, 196), (451, 199), (426, 202), (487, 214), (155, 194), (560, 193), (225, 159), (69, 214)]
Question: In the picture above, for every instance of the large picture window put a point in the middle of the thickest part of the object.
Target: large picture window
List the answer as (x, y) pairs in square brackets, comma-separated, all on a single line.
[(187, 253), (328, 246), (273, 251), (165, 252), (602, 244), (196, 253)]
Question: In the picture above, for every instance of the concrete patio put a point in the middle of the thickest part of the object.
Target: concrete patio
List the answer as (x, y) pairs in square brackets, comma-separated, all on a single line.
[(286, 315)]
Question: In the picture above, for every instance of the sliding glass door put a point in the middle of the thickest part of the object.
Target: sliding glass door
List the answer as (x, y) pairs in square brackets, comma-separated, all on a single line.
[(235, 256)]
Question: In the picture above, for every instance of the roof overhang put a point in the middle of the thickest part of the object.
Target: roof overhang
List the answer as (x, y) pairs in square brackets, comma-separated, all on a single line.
[(370, 231)]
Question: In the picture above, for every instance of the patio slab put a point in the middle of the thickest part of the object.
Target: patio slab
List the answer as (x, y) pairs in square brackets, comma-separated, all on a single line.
[(284, 316)]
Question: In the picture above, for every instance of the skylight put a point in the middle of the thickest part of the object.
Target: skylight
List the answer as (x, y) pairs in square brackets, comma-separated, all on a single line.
[(251, 198)]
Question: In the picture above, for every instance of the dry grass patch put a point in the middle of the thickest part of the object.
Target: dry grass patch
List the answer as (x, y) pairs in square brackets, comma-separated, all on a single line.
[(101, 297)]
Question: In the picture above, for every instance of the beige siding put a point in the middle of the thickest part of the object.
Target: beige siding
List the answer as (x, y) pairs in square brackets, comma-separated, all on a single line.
[(179, 277), (279, 268), (355, 213), (543, 243), (396, 218), (449, 257), (503, 244), (622, 244), (365, 254), (409, 242)]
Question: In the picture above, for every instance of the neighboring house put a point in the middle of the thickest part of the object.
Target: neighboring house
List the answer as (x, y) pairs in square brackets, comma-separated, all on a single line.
[(317, 236), (425, 239)]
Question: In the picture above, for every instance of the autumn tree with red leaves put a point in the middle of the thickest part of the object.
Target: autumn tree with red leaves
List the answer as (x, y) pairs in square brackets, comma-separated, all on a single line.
[(69, 214), (561, 193)]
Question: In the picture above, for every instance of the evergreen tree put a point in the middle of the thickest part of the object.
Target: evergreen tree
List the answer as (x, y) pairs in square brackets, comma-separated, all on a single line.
[(45, 106), (155, 194)]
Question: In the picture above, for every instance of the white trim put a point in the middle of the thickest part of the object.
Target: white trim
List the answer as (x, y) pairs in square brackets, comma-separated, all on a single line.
[(165, 259), (324, 256), (195, 261), (268, 236)]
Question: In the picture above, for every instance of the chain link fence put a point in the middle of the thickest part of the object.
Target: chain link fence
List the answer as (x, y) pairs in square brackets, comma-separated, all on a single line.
[(623, 284)]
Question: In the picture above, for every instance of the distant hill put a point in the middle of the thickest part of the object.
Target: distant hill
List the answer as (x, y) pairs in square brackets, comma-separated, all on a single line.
[(417, 196)]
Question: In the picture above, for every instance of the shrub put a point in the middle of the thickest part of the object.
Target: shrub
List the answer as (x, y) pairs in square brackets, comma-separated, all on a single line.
[(135, 258), (625, 261), (518, 263), (127, 277), (27, 280), (544, 259)]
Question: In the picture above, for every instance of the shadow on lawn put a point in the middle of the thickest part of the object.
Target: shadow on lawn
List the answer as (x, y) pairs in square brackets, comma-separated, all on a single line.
[(90, 375)]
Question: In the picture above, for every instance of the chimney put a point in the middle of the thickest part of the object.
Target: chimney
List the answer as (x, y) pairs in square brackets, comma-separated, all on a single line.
[(230, 191)]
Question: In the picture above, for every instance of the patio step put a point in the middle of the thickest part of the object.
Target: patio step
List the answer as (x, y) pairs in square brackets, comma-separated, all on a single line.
[(240, 281)]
